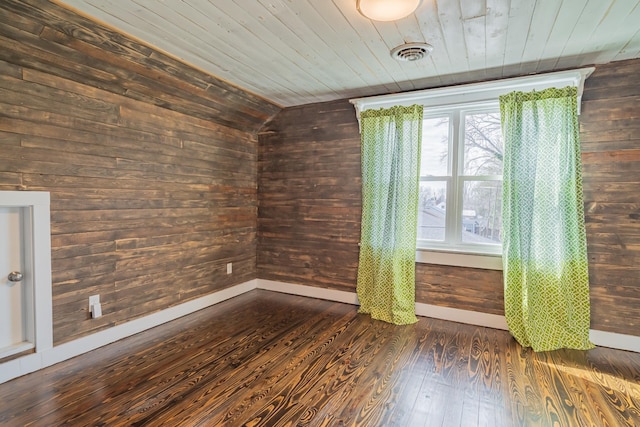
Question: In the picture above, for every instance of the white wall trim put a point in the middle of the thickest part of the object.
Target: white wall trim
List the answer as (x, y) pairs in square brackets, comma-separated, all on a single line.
[(32, 362), (308, 291), (459, 259), (469, 317), (476, 92), (38, 249), (426, 310), (614, 340), (599, 338)]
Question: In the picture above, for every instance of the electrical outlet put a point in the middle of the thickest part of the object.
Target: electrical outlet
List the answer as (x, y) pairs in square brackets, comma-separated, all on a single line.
[(96, 311), (229, 267), (94, 299), (94, 306)]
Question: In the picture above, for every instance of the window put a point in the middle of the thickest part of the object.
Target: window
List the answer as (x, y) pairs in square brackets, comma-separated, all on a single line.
[(461, 171), (461, 179)]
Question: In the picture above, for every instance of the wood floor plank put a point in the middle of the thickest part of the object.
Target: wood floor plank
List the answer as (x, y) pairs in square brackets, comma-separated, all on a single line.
[(270, 359), (408, 386)]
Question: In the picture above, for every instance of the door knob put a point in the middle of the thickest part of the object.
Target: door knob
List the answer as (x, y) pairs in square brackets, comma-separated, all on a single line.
[(15, 276)]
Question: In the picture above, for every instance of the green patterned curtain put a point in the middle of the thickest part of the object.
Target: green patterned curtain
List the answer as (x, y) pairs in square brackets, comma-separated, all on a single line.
[(391, 140), (544, 242)]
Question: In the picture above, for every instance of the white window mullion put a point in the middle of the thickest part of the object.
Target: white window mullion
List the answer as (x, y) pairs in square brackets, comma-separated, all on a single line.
[(454, 216)]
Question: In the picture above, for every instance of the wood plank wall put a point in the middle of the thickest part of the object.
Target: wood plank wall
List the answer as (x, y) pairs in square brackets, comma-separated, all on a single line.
[(610, 140), (309, 196), (151, 165), (309, 205)]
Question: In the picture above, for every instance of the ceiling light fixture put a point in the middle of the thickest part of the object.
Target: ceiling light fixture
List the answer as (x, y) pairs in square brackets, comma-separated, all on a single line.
[(387, 10)]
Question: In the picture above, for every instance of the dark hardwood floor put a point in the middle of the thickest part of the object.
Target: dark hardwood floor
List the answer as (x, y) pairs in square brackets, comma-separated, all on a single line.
[(269, 359)]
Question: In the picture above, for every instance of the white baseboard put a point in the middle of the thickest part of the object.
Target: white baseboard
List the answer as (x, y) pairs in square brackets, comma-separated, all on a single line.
[(614, 340), (426, 310), (32, 362), (308, 291), (599, 338), (469, 317)]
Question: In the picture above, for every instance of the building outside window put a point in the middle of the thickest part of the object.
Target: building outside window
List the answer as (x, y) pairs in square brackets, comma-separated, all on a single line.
[(461, 179)]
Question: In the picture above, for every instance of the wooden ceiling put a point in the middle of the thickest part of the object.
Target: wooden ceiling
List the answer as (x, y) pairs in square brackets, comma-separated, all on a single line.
[(295, 52)]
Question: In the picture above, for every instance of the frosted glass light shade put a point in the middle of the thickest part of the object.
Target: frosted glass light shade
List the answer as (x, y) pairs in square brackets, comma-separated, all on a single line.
[(386, 10)]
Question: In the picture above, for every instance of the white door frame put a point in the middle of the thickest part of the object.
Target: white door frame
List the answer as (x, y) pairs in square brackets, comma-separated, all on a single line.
[(37, 235)]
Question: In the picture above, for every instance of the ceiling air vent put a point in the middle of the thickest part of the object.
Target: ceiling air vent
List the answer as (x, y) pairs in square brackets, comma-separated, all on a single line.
[(411, 51)]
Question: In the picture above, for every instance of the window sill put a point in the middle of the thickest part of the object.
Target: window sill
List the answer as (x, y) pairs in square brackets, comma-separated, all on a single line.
[(459, 259)]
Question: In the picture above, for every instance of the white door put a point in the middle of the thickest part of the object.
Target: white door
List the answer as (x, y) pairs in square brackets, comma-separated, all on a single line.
[(14, 334)]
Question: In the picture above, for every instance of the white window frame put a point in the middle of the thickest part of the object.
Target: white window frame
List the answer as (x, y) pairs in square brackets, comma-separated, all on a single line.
[(455, 180), (468, 95)]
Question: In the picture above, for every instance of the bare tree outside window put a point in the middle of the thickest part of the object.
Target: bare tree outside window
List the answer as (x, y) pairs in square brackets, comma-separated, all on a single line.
[(483, 148), (482, 199), (478, 179)]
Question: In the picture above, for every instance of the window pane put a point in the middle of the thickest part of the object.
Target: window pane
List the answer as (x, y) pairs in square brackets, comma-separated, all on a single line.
[(435, 147), (481, 212), (432, 206), (482, 144)]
